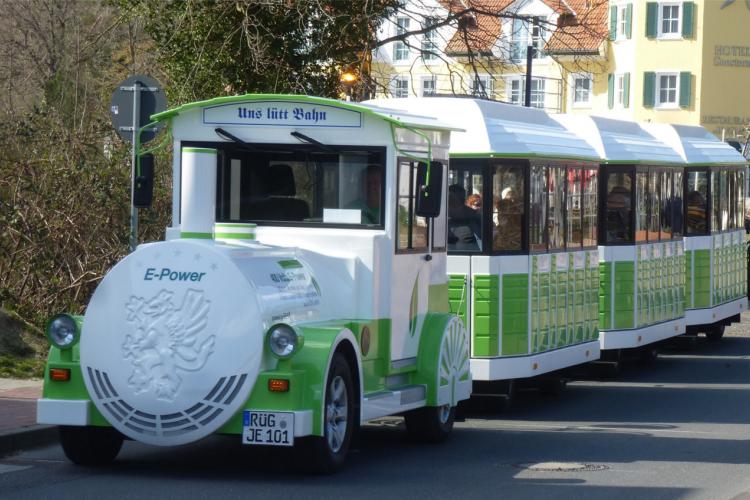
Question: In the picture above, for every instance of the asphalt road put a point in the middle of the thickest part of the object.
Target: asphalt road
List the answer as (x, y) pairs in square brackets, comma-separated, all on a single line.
[(679, 428)]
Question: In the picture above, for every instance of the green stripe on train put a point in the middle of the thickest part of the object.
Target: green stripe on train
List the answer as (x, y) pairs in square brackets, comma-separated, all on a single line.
[(486, 304)]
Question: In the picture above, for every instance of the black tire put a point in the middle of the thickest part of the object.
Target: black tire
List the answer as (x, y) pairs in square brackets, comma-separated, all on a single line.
[(327, 454), (716, 332), (431, 424), (647, 354), (552, 386), (90, 446)]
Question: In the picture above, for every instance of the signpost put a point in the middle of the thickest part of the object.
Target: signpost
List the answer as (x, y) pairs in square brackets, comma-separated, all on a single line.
[(133, 102)]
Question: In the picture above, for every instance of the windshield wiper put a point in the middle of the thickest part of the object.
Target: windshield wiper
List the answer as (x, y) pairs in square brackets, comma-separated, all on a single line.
[(304, 138), (226, 135)]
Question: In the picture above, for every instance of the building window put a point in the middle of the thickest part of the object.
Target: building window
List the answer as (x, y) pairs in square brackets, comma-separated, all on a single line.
[(429, 47), (537, 93), (514, 90), (620, 90), (429, 87), (582, 90), (483, 86), (525, 33), (622, 22), (669, 20), (400, 86), (666, 90), (400, 49)]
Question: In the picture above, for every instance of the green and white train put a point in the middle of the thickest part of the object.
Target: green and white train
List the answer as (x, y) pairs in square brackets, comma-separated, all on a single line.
[(301, 290), (589, 246)]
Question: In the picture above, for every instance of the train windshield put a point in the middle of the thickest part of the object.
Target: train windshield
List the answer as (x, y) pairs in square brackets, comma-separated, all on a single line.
[(297, 185)]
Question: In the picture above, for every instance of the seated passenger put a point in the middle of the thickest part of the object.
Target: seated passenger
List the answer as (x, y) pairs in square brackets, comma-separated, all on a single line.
[(696, 212), (464, 224)]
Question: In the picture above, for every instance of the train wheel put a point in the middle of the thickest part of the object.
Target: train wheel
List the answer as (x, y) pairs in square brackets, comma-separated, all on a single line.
[(715, 332), (90, 446), (647, 354), (431, 424), (326, 454)]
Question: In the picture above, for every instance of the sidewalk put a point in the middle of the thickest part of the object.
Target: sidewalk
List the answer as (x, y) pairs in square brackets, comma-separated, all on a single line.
[(18, 427)]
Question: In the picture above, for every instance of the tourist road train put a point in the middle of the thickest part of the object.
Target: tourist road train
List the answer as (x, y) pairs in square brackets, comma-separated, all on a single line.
[(329, 263)]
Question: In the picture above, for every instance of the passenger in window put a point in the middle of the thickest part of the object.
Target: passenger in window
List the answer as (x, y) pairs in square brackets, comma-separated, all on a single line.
[(464, 224), (618, 214), (696, 212), (474, 202), (368, 201), (507, 230)]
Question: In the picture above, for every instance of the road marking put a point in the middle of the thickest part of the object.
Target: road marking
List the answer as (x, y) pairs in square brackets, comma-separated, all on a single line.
[(6, 468), (659, 385), (612, 428)]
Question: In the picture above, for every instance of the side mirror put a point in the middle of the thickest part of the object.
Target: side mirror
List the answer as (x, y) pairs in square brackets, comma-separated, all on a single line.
[(143, 184), (429, 194)]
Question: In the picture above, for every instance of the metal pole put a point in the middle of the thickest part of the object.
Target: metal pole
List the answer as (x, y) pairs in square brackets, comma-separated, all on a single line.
[(529, 59), (133, 159)]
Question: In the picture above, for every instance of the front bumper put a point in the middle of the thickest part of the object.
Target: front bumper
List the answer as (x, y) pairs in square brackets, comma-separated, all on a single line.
[(78, 412)]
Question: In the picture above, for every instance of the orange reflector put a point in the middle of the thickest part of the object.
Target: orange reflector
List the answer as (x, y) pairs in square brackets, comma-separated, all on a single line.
[(278, 385), (59, 374), (535, 366)]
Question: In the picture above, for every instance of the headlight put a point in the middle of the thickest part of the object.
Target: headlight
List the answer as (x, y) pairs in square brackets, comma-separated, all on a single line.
[(283, 341), (63, 331)]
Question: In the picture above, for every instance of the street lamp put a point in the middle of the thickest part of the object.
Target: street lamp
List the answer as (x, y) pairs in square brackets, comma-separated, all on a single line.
[(348, 79)]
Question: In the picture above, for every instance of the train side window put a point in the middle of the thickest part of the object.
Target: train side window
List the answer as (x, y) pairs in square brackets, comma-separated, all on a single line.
[(589, 188), (619, 209), (412, 230), (641, 205), (715, 197), (573, 234), (556, 208), (667, 202), (724, 200), (740, 190), (696, 185), (677, 217), (654, 212), (507, 207), (538, 209), (465, 188)]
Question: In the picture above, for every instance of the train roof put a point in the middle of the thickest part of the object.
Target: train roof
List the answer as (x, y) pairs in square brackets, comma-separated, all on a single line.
[(395, 117), (696, 145), (621, 141), (498, 130)]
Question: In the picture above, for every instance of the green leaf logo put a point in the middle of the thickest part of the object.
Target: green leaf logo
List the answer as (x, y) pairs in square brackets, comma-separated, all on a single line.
[(414, 307)]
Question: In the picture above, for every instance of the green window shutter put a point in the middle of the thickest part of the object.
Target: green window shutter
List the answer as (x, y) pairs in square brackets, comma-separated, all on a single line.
[(686, 81), (649, 88), (612, 23), (611, 91), (626, 90), (629, 21), (688, 10), (652, 19)]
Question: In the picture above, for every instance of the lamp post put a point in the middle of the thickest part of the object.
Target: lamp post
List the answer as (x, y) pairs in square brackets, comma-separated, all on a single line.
[(348, 79)]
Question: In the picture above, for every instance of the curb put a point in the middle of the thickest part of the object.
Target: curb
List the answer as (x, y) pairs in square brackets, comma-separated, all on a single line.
[(34, 436)]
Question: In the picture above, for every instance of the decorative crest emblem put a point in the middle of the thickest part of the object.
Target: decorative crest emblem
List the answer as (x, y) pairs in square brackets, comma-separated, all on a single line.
[(727, 3), (164, 340)]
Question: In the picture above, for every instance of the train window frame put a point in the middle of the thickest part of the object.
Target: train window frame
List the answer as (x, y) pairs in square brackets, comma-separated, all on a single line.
[(708, 200), (438, 246), (411, 197), (226, 149), (604, 173), (480, 166), (524, 166), (678, 223)]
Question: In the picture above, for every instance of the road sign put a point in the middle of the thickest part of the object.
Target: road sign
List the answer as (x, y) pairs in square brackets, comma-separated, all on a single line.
[(151, 99)]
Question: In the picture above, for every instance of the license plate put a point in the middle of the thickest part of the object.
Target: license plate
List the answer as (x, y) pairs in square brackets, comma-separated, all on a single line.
[(268, 428)]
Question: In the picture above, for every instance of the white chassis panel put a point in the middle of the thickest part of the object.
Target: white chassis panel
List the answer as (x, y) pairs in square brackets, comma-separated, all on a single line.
[(712, 314), (535, 364), (62, 411), (76, 412), (626, 339)]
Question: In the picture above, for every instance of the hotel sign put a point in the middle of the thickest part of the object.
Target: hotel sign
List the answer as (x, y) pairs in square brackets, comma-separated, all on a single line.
[(732, 55)]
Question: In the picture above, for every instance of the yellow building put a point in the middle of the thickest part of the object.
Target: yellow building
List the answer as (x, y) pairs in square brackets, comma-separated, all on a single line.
[(664, 61)]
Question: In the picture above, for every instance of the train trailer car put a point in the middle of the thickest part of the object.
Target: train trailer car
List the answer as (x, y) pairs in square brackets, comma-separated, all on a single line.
[(641, 249), (714, 235), (522, 227), (301, 291)]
